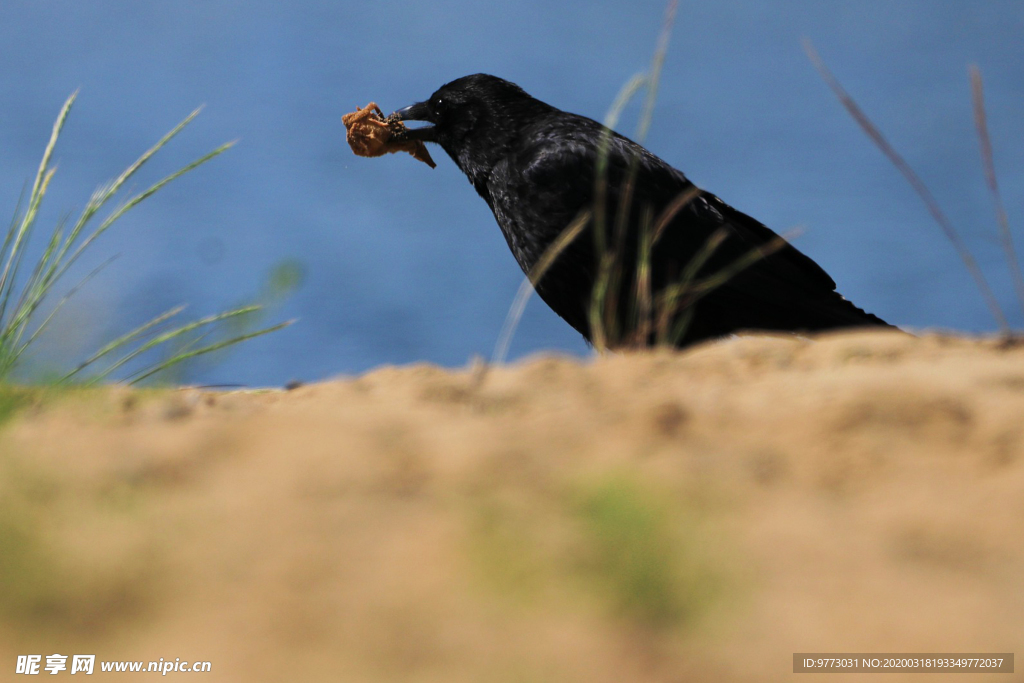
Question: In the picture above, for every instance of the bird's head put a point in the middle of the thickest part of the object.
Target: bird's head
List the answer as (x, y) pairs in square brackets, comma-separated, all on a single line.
[(475, 119)]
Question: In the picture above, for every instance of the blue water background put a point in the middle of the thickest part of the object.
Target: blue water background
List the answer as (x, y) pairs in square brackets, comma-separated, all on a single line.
[(403, 263)]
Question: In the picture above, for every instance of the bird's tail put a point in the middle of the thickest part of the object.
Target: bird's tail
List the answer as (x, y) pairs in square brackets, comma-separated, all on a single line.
[(728, 310), (837, 311)]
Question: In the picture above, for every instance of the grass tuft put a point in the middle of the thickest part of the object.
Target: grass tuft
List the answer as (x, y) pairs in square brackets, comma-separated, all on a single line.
[(21, 298), (640, 555), (613, 545)]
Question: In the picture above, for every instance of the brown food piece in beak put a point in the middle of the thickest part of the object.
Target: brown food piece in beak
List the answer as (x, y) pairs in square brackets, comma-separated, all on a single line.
[(369, 134)]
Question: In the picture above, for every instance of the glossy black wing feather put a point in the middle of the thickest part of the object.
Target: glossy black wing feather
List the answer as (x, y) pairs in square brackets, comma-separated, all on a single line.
[(539, 190)]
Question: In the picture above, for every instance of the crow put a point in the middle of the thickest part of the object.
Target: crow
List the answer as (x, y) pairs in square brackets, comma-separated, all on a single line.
[(657, 258)]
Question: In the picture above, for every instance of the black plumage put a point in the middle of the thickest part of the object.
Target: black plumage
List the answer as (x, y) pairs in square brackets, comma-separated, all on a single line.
[(537, 168)]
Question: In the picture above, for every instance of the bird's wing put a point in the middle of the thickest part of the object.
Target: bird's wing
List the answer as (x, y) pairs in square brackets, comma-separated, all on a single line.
[(788, 261), (658, 184), (558, 175), (539, 189)]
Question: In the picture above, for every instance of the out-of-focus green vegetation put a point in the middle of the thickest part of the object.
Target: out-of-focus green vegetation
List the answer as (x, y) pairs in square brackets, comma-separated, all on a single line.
[(24, 287)]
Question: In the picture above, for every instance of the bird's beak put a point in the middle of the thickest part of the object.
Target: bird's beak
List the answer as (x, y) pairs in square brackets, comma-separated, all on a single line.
[(417, 112)]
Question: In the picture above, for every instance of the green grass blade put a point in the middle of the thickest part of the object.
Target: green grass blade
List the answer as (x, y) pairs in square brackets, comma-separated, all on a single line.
[(719, 278), (21, 348), (647, 114), (172, 334), (174, 360), (554, 250), (124, 339), (20, 304), (12, 228), (104, 193), (42, 181), (32, 294), (611, 119), (641, 318), (124, 208), (611, 323), (670, 211), (598, 298), (671, 297), (599, 209), (701, 288), (8, 239), (16, 254)]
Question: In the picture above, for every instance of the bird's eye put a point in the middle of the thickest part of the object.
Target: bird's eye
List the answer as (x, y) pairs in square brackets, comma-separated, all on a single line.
[(439, 105)]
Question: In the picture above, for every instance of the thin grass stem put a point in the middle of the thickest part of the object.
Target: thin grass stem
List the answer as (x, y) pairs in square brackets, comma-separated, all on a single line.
[(167, 336), (515, 313), (178, 358), (988, 162), (915, 182)]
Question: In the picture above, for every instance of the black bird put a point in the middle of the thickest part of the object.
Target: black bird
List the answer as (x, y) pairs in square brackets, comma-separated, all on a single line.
[(537, 168)]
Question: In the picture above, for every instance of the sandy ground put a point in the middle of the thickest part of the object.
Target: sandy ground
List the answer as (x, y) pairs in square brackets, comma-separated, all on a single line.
[(651, 517)]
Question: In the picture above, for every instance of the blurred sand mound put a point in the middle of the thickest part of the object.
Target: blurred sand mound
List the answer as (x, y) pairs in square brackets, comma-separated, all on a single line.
[(649, 517)]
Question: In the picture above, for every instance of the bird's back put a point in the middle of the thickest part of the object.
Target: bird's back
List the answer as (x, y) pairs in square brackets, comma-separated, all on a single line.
[(551, 176)]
